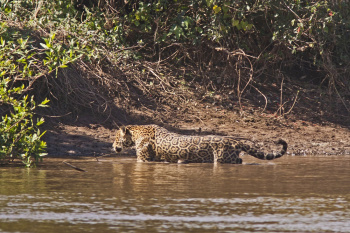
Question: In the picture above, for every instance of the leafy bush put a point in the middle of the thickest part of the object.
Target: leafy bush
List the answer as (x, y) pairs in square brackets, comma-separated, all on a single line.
[(20, 136), (262, 39), (24, 59), (311, 34)]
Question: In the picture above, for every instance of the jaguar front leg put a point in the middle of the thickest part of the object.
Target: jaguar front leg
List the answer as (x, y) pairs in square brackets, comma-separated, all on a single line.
[(144, 150)]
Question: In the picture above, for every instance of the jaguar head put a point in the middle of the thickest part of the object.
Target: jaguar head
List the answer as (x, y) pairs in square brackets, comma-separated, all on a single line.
[(123, 139)]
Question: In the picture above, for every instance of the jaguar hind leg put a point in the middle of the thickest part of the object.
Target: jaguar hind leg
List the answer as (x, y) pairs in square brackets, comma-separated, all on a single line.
[(231, 157)]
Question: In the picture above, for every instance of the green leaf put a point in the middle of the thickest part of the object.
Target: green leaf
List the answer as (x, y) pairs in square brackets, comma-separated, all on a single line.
[(40, 122), (292, 22), (43, 103), (209, 2), (249, 26), (235, 22), (178, 32), (244, 25), (216, 9), (44, 46)]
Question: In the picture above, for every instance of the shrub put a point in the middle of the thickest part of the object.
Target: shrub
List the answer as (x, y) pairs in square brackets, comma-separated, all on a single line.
[(25, 57), (20, 136)]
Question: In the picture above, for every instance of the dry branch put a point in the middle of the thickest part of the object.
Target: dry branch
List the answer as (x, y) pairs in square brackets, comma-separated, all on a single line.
[(74, 167)]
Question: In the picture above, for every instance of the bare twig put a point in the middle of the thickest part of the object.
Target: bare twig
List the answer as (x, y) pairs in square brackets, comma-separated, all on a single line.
[(295, 100), (281, 97), (37, 8), (263, 96), (74, 167)]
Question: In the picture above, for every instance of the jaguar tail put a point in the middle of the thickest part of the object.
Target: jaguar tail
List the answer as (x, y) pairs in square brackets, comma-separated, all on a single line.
[(263, 156)]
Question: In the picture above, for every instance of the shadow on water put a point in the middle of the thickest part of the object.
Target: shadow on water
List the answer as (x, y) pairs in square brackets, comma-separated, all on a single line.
[(119, 194)]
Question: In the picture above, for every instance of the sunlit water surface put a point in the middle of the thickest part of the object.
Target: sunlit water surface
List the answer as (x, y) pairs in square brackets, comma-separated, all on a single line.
[(291, 194)]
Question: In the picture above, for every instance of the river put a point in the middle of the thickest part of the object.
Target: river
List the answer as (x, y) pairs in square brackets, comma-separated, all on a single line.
[(118, 194)]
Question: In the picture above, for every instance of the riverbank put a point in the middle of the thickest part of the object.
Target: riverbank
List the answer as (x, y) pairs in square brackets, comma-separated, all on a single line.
[(89, 136)]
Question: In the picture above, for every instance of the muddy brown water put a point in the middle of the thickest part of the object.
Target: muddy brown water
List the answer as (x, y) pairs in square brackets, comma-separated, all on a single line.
[(291, 194)]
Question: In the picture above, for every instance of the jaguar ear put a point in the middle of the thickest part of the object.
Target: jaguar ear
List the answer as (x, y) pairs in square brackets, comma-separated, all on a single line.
[(125, 130)]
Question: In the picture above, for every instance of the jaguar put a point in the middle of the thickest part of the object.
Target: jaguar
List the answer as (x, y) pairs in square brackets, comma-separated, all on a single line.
[(155, 143)]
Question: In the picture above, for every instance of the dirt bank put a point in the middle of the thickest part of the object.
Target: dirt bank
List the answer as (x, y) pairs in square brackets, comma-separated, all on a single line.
[(88, 136)]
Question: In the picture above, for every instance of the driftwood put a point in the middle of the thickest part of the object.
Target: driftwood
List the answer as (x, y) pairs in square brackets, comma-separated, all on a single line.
[(72, 166)]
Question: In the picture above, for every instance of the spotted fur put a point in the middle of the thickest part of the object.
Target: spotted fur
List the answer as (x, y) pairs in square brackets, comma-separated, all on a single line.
[(154, 143)]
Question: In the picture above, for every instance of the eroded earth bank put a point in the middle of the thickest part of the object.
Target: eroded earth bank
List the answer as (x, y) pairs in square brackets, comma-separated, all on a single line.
[(307, 131)]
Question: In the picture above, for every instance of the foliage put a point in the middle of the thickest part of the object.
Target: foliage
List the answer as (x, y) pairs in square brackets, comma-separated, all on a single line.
[(290, 32), (280, 36), (22, 62), (20, 136)]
